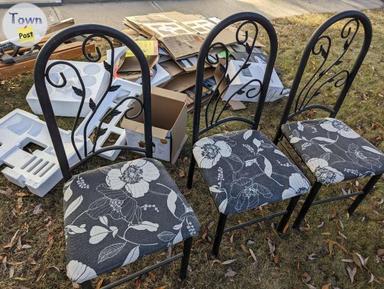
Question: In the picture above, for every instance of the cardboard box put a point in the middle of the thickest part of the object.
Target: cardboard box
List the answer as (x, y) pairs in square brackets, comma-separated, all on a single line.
[(169, 121), (249, 75)]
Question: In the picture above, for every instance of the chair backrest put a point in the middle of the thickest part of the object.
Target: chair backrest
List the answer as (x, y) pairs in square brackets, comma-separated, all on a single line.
[(331, 70), (246, 28), (103, 38)]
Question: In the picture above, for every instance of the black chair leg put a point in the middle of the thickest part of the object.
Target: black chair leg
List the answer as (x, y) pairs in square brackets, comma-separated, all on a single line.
[(87, 285), (307, 204), (185, 259), (219, 234), (284, 220), (191, 171), (367, 189)]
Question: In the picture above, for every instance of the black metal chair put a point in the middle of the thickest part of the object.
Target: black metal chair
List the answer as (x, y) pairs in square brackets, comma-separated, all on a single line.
[(244, 169), (330, 149), (116, 214)]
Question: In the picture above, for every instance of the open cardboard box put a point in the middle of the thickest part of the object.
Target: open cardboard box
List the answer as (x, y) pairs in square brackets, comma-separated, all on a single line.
[(169, 121)]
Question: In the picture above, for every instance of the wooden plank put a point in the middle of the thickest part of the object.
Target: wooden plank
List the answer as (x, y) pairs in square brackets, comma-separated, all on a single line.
[(67, 51)]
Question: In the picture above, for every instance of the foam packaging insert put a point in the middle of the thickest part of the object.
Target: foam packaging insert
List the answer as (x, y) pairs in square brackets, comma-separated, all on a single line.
[(39, 171), (65, 102)]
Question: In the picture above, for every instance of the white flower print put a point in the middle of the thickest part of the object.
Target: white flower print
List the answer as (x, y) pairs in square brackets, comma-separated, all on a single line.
[(362, 157), (134, 176), (297, 185), (323, 172), (341, 128), (207, 152), (79, 272)]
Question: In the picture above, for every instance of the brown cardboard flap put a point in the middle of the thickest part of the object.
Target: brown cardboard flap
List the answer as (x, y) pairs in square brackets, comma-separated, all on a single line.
[(187, 80), (172, 68), (166, 93), (182, 46), (167, 106)]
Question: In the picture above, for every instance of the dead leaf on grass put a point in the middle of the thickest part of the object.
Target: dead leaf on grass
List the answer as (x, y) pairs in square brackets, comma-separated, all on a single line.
[(37, 210), (253, 255), (312, 257), (11, 272), (326, 286), (359, 260), (230, 273), (272, 247), (351, 271), (227, 262), (332, 244), (306, 278), (7, 192), (13, 241)]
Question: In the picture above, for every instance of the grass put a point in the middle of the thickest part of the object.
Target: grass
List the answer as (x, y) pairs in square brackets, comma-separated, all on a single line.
[(256, 257)]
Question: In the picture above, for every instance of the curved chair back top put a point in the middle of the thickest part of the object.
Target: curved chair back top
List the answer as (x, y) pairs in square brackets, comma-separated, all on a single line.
[(246, 34), (331, 70), (44, 74)]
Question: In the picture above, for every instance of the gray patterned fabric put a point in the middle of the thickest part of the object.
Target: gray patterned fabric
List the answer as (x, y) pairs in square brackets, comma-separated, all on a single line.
[(116, 214), (244, 170), (333, 151)]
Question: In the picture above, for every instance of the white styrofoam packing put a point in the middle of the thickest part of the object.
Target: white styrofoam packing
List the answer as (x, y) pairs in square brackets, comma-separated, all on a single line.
[(39, 171), (127, 88), (254, 72), (65, 102)]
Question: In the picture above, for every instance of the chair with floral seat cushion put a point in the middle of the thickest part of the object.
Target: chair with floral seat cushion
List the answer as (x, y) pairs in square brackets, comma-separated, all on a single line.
[(331, 150), (116, 214), (243, 169), (130, 209), (231, 165)]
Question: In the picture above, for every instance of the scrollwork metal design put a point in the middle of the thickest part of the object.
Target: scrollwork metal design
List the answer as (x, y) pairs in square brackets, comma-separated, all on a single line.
[(329, 72), (81, 130), (244, 39)]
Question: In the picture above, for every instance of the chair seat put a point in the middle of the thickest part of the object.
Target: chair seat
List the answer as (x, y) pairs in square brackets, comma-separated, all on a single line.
[(244, 170), (333, 151), (116, 214)]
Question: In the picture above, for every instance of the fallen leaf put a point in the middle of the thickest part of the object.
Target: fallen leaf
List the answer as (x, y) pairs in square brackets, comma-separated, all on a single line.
[(7, 192), (371, 279), (253, 254), (359, 260), (37, 210), (12, 242), (312, 257), (230, 273), (331, 244), (326, 286), (11, 271), (272, 247), (227, 262), (351, 273), (306, 278)]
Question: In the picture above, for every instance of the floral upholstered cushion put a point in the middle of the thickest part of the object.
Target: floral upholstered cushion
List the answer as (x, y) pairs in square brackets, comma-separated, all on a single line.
[(244, 170), (333, 151), (116, 214)]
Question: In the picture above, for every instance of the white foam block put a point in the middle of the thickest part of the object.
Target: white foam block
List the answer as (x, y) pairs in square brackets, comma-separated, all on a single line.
[(39, 171), (113, 98), (246, 81), (65, 101)]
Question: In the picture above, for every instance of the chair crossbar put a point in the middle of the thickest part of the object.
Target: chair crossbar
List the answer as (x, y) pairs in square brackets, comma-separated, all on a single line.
[(143, 271), (254, 221), (336, 198)]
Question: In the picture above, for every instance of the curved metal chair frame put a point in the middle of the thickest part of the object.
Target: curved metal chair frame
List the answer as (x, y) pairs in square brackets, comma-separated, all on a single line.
[(41, 73), (328, 75), (214, 116)]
